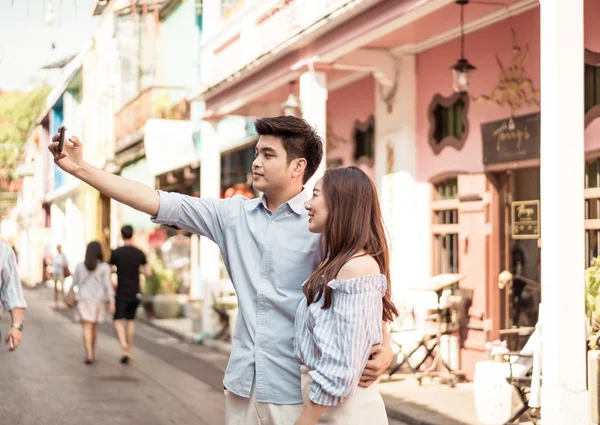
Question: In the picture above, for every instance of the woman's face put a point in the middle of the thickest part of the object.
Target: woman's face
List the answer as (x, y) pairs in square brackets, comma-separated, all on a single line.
[(317, 209)]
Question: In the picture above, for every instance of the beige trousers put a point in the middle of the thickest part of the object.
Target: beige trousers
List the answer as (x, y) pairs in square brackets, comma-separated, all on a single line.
[(248, 411), (365, 406)]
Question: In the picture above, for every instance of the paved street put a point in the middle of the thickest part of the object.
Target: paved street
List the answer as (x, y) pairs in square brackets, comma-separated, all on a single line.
[(46, 383)]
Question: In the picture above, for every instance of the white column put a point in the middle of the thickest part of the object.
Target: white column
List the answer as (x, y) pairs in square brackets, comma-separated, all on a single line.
[(313, 98), (564, 395), (404, 201), (210, 182), (195, 289)]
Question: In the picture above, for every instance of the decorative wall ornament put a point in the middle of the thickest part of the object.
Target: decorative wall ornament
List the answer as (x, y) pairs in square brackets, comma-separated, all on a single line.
[(332, 140), (514, 89), (391, 159)]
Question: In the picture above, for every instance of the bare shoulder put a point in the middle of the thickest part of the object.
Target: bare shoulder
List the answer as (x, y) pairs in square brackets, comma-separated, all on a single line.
[(357, 267)]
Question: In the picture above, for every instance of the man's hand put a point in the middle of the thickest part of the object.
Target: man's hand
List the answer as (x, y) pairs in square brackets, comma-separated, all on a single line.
[(71, 157), (16, 336), (381, 357)]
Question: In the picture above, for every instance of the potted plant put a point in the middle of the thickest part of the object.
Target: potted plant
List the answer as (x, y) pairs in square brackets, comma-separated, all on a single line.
[(165, 303), (149, 290), (592, 308)]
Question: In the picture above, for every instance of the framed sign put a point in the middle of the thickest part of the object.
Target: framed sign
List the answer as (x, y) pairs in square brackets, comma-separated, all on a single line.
[(525, 219), (506, 141)]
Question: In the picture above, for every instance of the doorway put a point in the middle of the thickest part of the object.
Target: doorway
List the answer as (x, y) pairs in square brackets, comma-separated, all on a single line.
[(520, 247)]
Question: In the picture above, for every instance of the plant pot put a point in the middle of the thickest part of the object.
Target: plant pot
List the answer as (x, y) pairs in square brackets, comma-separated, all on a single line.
[(166, 306), (593, 382), (148, 306)]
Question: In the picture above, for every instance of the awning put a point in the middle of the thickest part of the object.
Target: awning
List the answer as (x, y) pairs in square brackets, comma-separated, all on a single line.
[(169, 145), (62, 192)]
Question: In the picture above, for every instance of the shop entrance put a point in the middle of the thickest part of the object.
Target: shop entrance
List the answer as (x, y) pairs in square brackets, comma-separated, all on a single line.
[(520, 249)]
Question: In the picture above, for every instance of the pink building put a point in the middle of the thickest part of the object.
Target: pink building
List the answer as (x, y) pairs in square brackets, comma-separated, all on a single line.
[(458, 172)]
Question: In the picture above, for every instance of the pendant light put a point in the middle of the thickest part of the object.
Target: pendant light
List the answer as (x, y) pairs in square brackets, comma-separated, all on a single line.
[(462, 67)]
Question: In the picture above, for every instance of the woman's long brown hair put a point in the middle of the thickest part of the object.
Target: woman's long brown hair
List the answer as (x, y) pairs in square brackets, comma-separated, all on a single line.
[(354, 225)]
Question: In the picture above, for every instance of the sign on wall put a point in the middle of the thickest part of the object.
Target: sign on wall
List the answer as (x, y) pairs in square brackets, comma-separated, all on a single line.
[(525, 219), (511, 140)]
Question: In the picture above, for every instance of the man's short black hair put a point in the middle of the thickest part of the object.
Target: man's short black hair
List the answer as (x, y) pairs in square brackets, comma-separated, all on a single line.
[(299, 139), (127, 232)]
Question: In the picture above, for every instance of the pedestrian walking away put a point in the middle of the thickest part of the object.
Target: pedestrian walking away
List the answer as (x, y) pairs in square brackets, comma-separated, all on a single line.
[(129, 262), (92, 281), (60, 265), (11, 295), (347, 298), (268, 252)]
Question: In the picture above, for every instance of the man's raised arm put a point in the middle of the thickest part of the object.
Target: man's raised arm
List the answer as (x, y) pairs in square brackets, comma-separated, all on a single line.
[(129, 192)]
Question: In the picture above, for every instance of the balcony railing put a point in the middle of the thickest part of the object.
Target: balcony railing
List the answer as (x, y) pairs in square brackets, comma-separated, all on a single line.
[(153, 102), (264, 26)]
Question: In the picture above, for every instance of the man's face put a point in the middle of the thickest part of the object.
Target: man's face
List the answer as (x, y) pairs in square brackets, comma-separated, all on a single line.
[(270, 170)]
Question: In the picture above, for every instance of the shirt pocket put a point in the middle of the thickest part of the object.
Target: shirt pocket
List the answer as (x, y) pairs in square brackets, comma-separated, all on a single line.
[(291, 267)]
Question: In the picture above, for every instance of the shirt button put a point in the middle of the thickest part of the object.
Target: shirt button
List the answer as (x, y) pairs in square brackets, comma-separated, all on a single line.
[(261, 297), (260, 322), (264, 273), (258, 347)]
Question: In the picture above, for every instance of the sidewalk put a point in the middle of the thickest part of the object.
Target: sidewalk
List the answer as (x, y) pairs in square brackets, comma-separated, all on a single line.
[(429, 404)]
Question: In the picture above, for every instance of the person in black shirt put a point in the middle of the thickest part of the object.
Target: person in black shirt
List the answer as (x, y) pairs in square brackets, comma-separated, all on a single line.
[(129, 261)]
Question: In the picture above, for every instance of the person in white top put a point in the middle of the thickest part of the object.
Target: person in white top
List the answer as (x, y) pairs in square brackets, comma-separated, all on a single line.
[(59, 261), (94, 290)]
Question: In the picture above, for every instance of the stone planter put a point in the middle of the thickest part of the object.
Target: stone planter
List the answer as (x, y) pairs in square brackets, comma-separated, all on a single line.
[(148, 306), (593, 382), (166, 306)]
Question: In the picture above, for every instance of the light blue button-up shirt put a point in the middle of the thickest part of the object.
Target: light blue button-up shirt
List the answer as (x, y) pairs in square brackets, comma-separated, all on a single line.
[(11, 292), (268, 256)]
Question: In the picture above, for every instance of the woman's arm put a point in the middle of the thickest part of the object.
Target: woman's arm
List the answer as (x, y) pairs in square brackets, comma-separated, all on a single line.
[(311, 414), (110, 294)]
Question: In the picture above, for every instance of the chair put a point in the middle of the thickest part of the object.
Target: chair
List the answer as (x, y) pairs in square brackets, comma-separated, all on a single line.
[(522, 366)]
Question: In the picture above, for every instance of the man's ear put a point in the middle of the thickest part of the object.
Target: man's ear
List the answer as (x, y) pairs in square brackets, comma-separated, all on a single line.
[(299, 166)]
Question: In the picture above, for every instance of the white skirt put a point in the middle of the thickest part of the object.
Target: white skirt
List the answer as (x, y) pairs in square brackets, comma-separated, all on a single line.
[(365, 406)]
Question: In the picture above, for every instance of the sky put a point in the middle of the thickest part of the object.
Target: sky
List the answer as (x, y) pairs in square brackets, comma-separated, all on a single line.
[(26, 41)]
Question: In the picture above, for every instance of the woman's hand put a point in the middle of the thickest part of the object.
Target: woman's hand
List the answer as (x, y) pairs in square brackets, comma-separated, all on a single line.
[(112, 307), (311, 414)]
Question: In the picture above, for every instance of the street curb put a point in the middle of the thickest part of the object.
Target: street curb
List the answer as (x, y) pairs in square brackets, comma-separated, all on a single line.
[(220, 346), (185, 337), (408, 419), (225, 348)]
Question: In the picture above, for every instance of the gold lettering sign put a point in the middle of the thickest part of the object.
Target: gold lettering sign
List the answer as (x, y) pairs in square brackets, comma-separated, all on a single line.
[(503, 135), (525, 217), (511, 139)]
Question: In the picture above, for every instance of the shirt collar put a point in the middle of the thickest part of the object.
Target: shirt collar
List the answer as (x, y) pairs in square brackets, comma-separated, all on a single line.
[(296, 204)]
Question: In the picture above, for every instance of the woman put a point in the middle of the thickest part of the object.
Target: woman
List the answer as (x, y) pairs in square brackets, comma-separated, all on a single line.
[(346, 299), (92, 278), (59, 262)]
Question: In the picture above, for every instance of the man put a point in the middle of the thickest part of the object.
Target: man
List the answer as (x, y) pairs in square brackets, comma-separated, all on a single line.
[(59, 262), (128, 260), (268, 252), (11, 295)]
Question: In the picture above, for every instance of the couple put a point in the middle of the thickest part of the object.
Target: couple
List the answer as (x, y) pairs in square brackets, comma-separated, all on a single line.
[(333, 324)]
